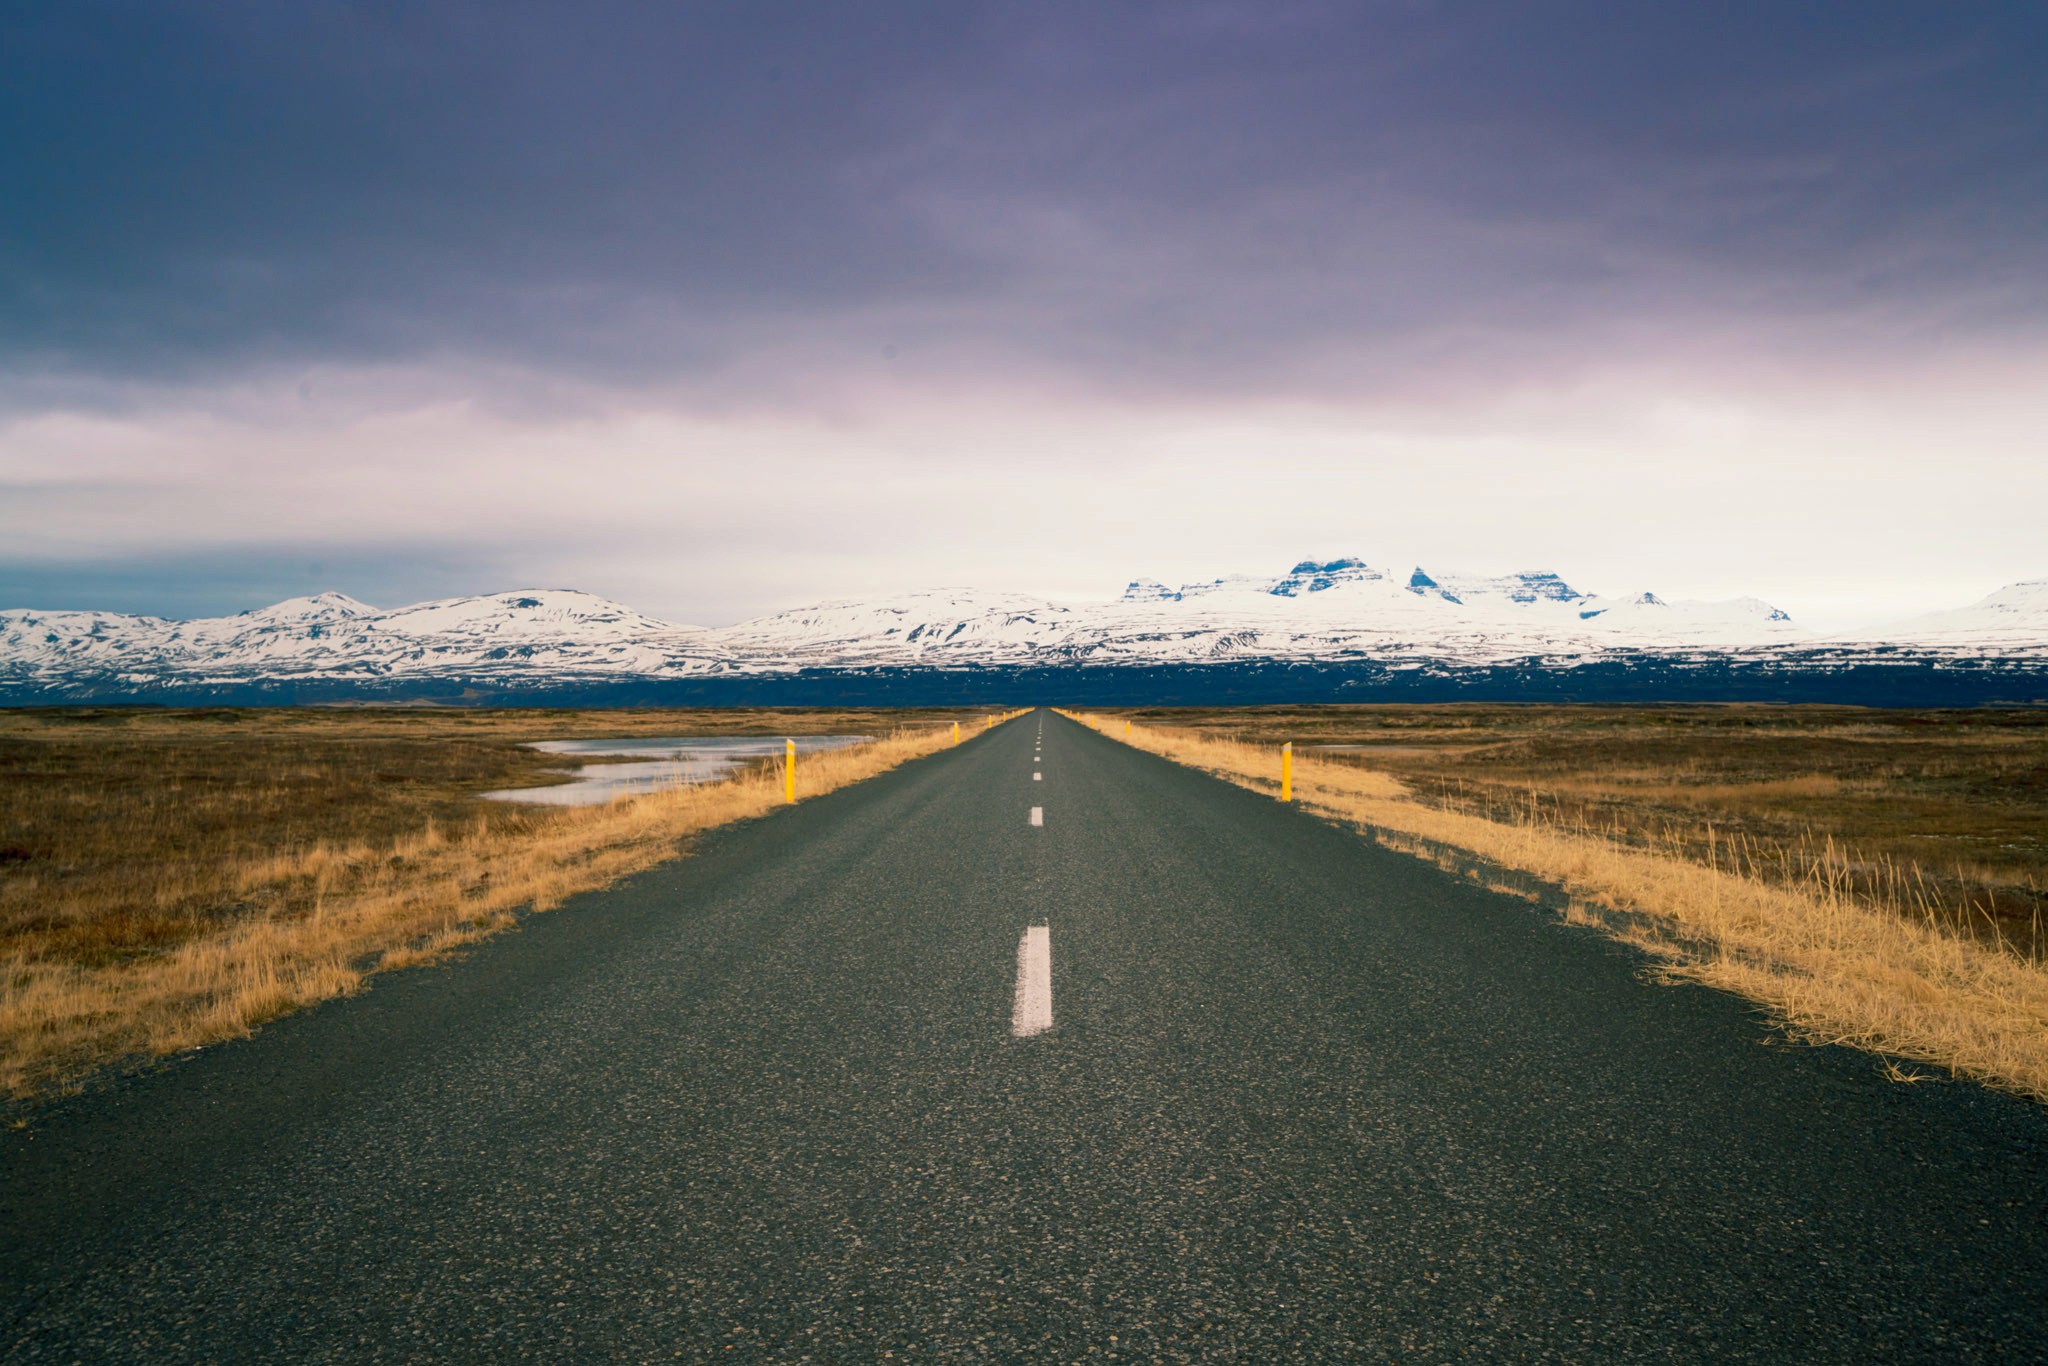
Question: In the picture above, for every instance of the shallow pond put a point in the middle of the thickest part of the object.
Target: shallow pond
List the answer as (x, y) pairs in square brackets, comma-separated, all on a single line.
[(664, 761)]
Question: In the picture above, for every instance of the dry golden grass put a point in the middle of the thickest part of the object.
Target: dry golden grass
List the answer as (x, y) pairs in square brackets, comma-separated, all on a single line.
[(1940, 815), (1829, 963), (187, 876)]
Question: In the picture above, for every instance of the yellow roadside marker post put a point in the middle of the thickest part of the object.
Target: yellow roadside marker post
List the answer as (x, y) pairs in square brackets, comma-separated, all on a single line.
[(956, 732), (1127, 730), (1287, 772), (789, 770)]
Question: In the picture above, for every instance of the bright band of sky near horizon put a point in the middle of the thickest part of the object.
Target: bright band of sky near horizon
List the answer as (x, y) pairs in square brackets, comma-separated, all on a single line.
[(724, 309)]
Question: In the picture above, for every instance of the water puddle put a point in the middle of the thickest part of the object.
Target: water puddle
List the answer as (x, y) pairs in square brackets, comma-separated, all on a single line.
[(660, 761)]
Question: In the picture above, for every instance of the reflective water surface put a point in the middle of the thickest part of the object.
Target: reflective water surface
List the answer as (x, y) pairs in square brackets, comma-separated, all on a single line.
[(666, 761)]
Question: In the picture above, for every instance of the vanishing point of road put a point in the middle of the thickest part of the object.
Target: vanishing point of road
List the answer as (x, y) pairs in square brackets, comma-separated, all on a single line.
[(1041, 1049)]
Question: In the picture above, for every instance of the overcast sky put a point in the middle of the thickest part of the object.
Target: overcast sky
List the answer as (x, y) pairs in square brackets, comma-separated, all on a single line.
[(723, 308)]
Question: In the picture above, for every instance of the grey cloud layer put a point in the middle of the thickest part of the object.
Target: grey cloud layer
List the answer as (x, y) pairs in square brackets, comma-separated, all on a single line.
[(220, 583), (1178, 196)]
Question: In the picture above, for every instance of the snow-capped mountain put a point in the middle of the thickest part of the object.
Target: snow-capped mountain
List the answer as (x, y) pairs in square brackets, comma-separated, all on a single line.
[(1340, 609), (2015, 617), (334, 637), (1329, 614)]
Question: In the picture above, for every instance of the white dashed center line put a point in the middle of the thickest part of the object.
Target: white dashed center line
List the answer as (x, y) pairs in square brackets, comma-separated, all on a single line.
[(1038, 777), (1038, 815), (1032, 1013)]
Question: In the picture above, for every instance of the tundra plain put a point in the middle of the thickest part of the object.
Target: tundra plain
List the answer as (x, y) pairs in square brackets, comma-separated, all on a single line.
[(1871, 878), (170, 878)]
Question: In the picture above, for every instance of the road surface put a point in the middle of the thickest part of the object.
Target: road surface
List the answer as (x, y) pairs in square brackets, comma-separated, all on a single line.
[(1286, 1096)]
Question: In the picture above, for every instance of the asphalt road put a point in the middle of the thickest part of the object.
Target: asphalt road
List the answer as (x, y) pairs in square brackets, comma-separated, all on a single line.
[(1301, 1099)]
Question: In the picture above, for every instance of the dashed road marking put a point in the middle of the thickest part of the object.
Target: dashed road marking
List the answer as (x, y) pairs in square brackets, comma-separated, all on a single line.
[(1032, 1011), (1038, 815)]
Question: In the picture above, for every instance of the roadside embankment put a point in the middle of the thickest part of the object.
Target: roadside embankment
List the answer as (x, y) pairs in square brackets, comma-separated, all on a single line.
[(1830, 967)]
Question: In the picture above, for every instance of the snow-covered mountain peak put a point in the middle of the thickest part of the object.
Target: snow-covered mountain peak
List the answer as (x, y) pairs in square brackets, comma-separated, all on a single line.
[(332, 639), (2014, 614), (1338, 612), (322, 607), (2028, 597), (533, 611), (1311, 577), (1531, 586), (1308, 576), (1227, 585)]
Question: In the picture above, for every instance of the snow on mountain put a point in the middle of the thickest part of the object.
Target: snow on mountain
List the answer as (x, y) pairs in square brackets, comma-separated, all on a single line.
[(334, 637), (1333, 609), (1740, 621), (1540, 586), (1329, 611), (2013, 618), (940, 626), (321, 609), (536, 614), (50, 646)]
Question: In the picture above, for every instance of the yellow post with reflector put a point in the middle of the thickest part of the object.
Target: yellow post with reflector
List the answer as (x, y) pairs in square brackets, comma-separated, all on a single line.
[(956, 732), (789, 770), (1127, 730), (1287, 772)]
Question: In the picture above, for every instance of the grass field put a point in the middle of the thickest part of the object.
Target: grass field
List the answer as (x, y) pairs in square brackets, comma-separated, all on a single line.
[(1873, 878), (173, 877), (1941, 814)]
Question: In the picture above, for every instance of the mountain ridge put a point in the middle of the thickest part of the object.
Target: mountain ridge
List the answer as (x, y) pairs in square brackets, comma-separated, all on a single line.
[(1333, 613)]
